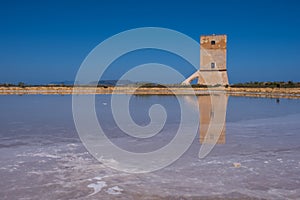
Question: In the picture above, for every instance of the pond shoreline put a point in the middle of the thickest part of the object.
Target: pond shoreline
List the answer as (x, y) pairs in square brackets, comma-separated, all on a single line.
[(232, 91)]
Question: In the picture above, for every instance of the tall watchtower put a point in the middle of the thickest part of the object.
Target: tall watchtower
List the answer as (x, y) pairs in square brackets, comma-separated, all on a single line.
[(213, 60), (213, 71)]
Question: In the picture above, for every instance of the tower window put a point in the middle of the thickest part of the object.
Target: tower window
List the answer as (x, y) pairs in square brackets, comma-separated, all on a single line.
[(212, 42), (212, 65)]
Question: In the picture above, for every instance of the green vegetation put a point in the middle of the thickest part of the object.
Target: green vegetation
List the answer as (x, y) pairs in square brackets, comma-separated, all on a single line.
[(156, 85), (21, 84), (275, 84), (6, 85)]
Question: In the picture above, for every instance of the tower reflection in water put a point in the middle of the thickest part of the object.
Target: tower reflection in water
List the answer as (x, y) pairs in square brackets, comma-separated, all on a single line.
[(212, 118), (212, 125)]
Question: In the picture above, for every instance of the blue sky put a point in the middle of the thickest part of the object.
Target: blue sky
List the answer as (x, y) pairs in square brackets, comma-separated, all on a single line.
[(44, 41)]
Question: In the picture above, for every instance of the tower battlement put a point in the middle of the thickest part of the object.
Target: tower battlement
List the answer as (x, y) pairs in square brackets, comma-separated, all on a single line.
[(213, 52)]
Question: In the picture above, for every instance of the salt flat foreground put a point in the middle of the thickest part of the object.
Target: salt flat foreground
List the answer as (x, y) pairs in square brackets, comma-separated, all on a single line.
[(42, 157)]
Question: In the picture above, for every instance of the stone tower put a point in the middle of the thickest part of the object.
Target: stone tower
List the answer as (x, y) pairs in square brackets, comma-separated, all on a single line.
[(213, 71)]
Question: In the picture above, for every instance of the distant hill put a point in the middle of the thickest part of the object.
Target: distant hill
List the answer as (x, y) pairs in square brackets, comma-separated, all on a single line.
[(62, 82), (113, 82), (101, 82)]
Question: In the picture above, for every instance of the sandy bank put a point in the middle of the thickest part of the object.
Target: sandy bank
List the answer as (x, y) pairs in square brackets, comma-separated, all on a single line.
[(55, 90)]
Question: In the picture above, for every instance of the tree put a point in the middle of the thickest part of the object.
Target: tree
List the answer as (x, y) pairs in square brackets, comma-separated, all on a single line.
[(21, 84)]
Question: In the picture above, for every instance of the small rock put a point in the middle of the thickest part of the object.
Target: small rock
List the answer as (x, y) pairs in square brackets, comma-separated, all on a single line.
[(237, 165)]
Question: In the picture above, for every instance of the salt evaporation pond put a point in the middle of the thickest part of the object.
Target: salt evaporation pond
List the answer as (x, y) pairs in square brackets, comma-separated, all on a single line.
[(42, 157)]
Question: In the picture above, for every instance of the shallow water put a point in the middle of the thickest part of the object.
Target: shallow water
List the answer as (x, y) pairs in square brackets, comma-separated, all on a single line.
[(42, 157)]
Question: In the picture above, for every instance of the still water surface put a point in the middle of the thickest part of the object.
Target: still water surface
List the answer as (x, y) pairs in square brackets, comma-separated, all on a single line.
[(42, 157)]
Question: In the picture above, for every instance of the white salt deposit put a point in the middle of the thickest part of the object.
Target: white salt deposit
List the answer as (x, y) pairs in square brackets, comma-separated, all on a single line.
[(97, 187), (114, 190), (97, 178)]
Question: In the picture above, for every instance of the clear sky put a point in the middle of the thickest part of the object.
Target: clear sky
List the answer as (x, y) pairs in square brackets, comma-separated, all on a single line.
[(44, 41)]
